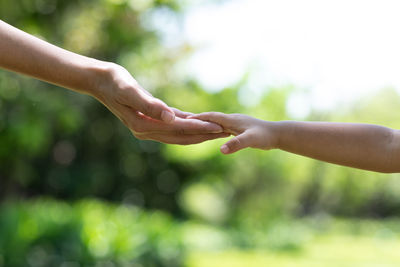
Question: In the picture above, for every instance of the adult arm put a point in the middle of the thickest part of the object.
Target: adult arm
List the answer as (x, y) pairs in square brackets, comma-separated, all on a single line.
[(111, 84)]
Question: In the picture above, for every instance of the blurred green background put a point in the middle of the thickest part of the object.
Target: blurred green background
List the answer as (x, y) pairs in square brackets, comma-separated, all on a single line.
[(77, 189)]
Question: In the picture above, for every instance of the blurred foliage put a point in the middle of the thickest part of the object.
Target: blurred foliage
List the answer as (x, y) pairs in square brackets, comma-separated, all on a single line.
[(57, 143), (87, 233), (319, 241)]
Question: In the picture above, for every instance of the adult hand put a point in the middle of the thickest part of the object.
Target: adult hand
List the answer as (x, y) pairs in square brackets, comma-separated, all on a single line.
[(147, 117)]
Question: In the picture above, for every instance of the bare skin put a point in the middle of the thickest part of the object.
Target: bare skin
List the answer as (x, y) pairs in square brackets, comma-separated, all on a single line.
[(147, 117), (363, 146)]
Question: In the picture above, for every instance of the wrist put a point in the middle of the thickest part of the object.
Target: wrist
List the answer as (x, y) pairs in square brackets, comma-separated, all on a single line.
[(99, 77), (275, 128), (285, 131)]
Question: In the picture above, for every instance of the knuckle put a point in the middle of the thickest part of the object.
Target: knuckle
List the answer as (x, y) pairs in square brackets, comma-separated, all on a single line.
[(234, 143), (249, 135), (147, 107), (180, 131), (122, 95)]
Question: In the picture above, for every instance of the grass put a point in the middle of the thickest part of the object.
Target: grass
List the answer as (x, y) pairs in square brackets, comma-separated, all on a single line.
[(360, 244)]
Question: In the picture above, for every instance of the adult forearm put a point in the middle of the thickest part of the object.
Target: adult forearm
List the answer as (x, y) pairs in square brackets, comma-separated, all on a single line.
[(26, 54), (363, 146)]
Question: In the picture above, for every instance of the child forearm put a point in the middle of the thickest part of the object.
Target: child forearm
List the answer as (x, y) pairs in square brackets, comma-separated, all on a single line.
[(363, 146)]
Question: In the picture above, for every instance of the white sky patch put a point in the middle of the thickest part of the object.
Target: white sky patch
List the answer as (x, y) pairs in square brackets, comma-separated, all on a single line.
[(339, 50)]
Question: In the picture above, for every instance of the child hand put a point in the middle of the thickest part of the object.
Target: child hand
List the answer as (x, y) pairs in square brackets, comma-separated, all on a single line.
[(248, 131)]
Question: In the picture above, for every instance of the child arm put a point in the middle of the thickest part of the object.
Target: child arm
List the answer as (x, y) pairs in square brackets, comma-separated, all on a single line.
[(363, 146)]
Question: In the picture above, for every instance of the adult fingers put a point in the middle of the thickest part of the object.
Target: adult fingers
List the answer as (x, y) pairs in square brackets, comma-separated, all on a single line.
[(182, 139), (179, 126), (152, 107), (182, 114), (235, 144)]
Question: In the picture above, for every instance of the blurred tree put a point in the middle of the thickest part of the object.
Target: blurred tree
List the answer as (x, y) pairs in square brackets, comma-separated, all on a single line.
[(56, 142)]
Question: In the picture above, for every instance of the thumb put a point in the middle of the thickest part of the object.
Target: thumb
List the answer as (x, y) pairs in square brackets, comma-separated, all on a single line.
[(235, 144), (155, 108)]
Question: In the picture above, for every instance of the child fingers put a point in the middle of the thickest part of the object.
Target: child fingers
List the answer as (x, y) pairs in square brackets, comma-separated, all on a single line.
[(182, 114), (216, 117), (235, 144)]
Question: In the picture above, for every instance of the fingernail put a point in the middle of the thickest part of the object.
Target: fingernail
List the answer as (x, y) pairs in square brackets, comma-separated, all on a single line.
[(224, 149), (167, 116), (215, 128)]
